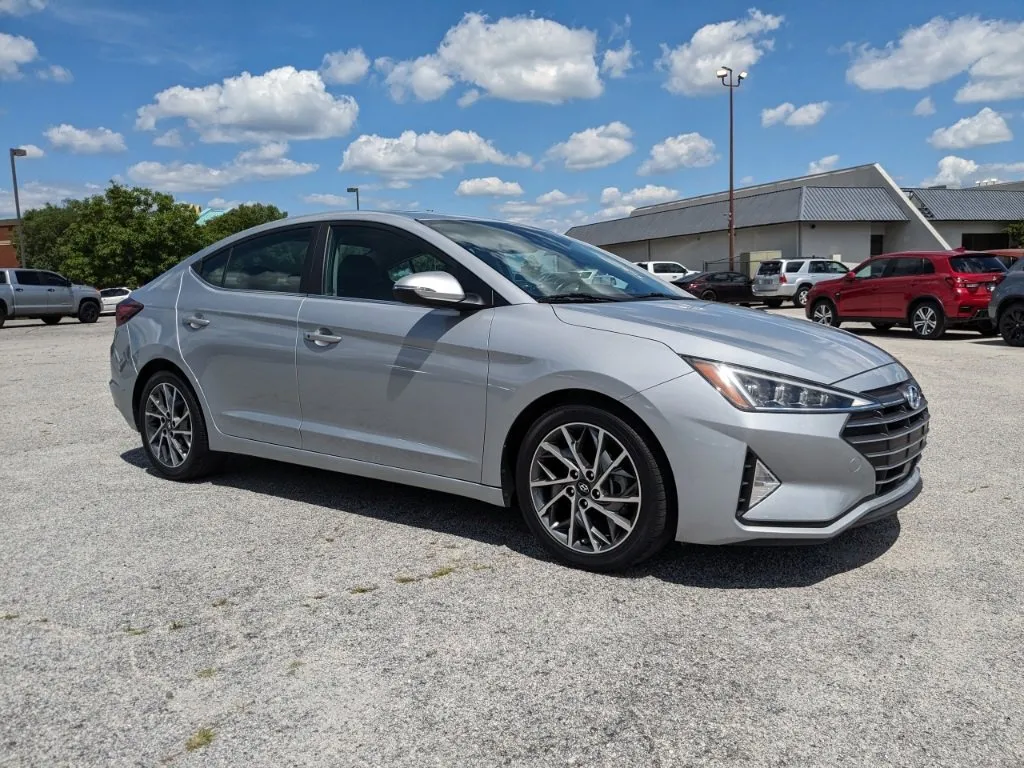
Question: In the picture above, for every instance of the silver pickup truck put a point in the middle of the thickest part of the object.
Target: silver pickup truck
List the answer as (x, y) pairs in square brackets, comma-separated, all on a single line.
[(36, 293)]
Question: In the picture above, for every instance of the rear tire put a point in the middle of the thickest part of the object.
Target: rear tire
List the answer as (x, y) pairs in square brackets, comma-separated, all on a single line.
[(927, 320), (1011, 324), (709, 296), (52, 319), (773, 303), (173, 429), (824, 313), (800, 297), (590, 456), (88, 312), (883, 327)]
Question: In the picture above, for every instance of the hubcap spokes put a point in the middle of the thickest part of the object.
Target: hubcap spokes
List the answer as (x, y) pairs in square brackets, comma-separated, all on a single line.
[(823, 314), (585, 488), (168, 424), (925, 320), (1014, 324)]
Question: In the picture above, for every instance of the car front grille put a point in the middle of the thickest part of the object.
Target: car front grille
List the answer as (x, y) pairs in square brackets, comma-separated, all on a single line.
[(891, 437)]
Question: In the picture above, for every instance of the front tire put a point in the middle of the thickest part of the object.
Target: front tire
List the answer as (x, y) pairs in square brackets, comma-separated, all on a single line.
[(824, 313), (800, 297), (773, 303), (1011, 324), (591, 490), (88, 312), (928, 321), (173, 429), (3, 314)]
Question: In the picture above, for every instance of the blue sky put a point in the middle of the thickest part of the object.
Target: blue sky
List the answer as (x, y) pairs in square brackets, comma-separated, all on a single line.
[(491, 110)]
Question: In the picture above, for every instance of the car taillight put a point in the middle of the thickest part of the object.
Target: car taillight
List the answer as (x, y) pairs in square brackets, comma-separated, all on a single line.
[(960, 284), (782, 279), (125, 311)]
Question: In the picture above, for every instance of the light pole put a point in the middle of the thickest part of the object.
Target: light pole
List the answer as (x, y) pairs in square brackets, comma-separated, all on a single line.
[(725, 74), (356, 190), (18, 152)]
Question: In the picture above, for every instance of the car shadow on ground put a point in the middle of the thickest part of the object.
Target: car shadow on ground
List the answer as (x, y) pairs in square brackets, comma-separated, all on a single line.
[(739, 567), (996, 342)]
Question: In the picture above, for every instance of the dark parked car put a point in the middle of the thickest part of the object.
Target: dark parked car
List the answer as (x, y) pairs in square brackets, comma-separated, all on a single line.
[(1007, 306), (731, 287), (928, 291)]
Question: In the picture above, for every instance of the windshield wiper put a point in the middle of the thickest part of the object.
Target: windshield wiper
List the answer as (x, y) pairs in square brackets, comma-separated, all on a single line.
[(657, 296), (557, 298)]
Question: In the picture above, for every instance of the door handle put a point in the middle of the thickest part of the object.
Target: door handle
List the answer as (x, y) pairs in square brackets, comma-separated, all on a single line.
[(321, 338), (20, 290), (196, 322), (50, 290)]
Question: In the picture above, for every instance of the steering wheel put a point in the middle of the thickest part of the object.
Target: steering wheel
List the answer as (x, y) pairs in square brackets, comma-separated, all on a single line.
[(568, 285)]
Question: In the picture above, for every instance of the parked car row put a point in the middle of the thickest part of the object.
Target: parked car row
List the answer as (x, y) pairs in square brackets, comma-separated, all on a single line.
[(47, 296)]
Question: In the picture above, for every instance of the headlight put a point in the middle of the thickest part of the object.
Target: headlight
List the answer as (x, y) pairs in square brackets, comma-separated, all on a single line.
[(759, 391)]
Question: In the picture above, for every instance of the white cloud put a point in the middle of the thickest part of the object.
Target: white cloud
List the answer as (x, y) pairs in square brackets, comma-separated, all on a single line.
[(747, 180), (617, 62), (649, 194), (986, 127), (423, 155), (924, 107), (797, 117), (171, 138), (35, 195), (491, 186), (278, 105), (31, 151), (687, 150), (21, 7), (738, 44), (329, 200), (558, 197), (220, 202), (520, 208), (594, 147), (827, 163), (85, 141), (956, 171), (472, 96), (264, 163), (518, 58), (344, 67), (991, 52), (15, 51), (56, 73)]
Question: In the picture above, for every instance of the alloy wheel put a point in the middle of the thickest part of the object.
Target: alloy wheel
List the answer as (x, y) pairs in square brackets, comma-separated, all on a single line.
[(585, 488), (823, 314), (168, 425), (801, 297), (1011, 325), (925, 320)]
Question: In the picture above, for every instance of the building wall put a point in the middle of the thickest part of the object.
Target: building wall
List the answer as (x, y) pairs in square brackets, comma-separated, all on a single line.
[(632, 251), (8, 254), (850, 242), (713, 247), (953, 231)]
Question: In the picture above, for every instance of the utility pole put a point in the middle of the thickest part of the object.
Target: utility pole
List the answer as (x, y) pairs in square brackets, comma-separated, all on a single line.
[(356, 190), (18, 152), (725, 74)]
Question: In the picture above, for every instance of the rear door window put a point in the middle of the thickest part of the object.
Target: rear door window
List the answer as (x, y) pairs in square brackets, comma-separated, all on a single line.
[(27, 277), (3, 278), (903, 267), (666, 267), (770, 268)]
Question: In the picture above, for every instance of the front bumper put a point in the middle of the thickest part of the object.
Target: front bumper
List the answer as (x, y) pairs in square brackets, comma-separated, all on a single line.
[(827, 484)]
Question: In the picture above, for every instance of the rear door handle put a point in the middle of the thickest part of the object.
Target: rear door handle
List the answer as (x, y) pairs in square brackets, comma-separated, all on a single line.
[(321, 338), (196, 322), (50, 290), (19, 290)]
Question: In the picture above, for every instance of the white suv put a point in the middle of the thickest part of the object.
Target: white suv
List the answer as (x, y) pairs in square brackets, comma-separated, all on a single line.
[(781, 279), (666, 270)]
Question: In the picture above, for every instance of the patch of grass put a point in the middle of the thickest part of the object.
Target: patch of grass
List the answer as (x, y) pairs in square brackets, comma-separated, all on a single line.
[(10, 616), (441, 572), (205, 674), (406, 579), (361, 590), (220, 602), (175, 624), (319, 595), (482, 567), (130, 630), (201, 738)]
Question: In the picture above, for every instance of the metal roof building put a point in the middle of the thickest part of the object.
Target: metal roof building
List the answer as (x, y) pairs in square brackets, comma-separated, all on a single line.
[(847, 214)]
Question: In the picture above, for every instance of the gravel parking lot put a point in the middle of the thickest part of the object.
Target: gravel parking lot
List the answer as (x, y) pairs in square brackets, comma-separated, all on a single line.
[(276, 616)]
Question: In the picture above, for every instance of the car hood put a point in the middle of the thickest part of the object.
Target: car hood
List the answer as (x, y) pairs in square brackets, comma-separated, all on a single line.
[(746, 337)]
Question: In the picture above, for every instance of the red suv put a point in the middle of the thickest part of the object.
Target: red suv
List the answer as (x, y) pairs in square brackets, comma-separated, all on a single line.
[(928, 291)]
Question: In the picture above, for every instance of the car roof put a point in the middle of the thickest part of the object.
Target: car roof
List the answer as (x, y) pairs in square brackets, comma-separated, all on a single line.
[(931, 254)]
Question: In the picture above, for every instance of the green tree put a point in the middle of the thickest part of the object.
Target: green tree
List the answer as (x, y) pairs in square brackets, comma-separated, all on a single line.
[(43, 228), (238, 219), (1016, 233), (127, 236)]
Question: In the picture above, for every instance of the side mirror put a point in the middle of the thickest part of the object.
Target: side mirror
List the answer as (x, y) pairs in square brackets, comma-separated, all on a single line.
[(850, 276), (433, 289)]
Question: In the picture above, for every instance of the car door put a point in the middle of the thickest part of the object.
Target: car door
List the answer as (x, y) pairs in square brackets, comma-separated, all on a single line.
[(60, 299), (856, 298), (739, 287), (237, 316), (895, 287), (30, 294), (385, 382)]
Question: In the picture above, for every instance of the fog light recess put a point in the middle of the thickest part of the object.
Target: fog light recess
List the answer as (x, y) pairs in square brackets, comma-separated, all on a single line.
[(758, 484)]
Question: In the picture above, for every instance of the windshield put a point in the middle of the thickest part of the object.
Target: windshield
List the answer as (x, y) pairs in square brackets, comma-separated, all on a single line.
[(552, 267), (975, 264)]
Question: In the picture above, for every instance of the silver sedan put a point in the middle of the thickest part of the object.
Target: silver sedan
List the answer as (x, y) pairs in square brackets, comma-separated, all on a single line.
[(516, 366)]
